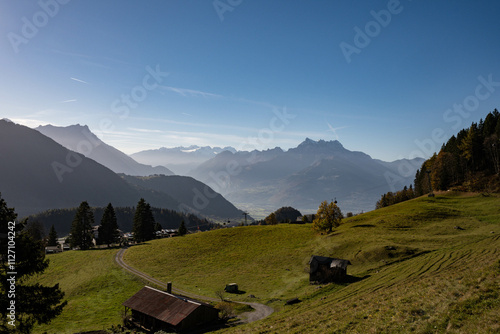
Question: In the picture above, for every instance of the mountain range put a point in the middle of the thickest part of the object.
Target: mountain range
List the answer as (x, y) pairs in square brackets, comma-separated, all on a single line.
[(38, 174), (80, 139), (304, 176), (180, 159), (216, 178)]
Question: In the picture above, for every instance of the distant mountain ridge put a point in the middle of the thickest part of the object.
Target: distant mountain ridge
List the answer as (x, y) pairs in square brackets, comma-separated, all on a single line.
[(304, 176), (80, 139), (179, 159), (39, 174)]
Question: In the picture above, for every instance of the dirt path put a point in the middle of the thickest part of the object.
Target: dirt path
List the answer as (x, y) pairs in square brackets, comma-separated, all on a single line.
[(261, 311)]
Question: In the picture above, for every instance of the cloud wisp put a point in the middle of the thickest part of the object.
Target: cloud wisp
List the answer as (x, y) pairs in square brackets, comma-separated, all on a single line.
[(190, 92), (79, 80)]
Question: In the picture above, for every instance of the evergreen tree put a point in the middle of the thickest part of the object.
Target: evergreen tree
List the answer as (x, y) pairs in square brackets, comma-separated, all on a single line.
[(52, 241), (108, 231), (144, 222), (81, 228), (327, 217), (35, 229), (182, 229), (33, 303)]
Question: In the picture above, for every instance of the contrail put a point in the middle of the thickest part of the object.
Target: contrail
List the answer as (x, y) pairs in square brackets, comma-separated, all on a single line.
[(79, 80)]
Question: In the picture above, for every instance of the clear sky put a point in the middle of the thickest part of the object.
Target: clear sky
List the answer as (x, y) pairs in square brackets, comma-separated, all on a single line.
[(390, 78)]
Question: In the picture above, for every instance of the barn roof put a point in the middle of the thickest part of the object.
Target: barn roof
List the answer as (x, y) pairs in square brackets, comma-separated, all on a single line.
[(331, 261), (163, 306)]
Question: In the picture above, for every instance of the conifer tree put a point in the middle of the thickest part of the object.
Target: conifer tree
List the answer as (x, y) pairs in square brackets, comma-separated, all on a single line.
[(182, 228), (108, 231), (52, 240), (81, 229), (35, 229), (144, 222), (33, 303)]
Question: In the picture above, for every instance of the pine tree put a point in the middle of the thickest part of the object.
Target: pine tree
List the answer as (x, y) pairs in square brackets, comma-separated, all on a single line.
[(52, 240), (108, 231), (144, 222), (182, 228), (35, 229), (81, 229), (33, 303), (327, 217)]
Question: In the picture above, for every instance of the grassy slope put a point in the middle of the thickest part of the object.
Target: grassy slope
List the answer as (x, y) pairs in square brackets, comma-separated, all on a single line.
[(95, 289), (419, 269), (420, 273)]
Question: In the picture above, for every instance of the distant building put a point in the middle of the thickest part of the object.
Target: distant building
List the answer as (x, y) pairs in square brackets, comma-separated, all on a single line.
[(327, 269), (166, 233), (158, 310), (306, 218), (231, 288), (52, 249)]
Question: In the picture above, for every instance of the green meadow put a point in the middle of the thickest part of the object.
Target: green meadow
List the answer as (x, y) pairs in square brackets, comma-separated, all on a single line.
[(95, 288), (428, 265)]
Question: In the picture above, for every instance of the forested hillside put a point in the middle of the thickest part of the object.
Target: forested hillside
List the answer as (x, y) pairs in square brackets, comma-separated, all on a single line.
[(469, 161), (169, 219)]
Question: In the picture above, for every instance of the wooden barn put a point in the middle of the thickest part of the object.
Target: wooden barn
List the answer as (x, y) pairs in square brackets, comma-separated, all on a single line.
[(156, 310), (327, 269)]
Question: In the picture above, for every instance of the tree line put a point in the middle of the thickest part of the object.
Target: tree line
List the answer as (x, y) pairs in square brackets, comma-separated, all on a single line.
[(144, 226), (468, 161), (62, 218), (391, 198)]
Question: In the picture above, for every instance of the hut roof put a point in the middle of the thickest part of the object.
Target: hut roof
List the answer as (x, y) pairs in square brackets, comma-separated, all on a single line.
[(331, 261), (163, 306)]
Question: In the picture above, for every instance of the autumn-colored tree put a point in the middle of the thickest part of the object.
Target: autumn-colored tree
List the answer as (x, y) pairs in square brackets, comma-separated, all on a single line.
[(328, 217), (271, 219)]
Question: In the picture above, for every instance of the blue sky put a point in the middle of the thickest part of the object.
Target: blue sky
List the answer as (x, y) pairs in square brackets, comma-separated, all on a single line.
[(390, 78)]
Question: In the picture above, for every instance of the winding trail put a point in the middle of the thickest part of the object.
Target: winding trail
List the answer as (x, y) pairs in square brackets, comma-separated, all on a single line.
[(261, 311)]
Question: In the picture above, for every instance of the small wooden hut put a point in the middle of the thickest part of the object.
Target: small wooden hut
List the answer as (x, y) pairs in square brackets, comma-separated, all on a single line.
[(158, 310), (327, 269)]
